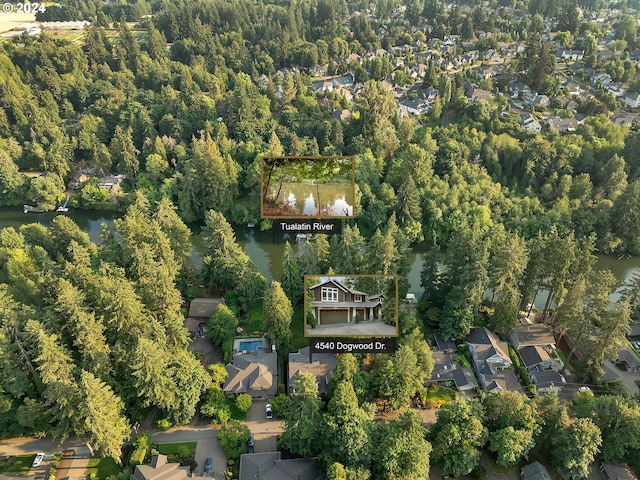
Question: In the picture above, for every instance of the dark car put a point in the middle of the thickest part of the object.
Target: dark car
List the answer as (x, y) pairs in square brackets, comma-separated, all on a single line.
[(250, 444), (207, 465)]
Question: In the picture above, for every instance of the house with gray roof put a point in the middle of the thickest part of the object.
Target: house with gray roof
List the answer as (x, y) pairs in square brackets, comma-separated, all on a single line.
[(254, 373), (204, 307), (535, 358), (532, 335), (490, 358), (160, 469), (270, 466), (445, 369), (320, 365), (617, 471), (443, 345), (547, 381), (628, 359), (534, 471)]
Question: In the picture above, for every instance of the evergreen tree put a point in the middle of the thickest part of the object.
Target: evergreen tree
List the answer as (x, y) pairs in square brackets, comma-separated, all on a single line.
[(224, 260), (292, 283), (276, 314), (123, 152)]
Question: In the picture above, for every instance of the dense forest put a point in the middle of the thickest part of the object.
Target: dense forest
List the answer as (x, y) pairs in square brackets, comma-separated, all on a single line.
[(187, 103)]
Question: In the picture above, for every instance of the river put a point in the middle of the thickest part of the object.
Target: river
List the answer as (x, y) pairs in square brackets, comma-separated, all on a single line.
[(265, 248)]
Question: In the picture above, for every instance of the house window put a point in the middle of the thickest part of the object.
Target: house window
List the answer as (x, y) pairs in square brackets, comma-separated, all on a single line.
[(329, 294), (358, 298)]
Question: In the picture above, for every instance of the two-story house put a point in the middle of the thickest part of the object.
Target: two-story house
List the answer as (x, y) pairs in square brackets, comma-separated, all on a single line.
[(335, 303), (490, 358)]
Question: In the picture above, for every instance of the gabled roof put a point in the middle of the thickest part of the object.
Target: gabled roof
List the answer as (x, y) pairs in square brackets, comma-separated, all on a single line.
[(629, 357), (533, 355), (160, 469), (487, 344), (321, 366), (620, 471), (252, 373), (204, 307), (547, 378), (536, 334), (269, 466), (444, 345), (535, 471)]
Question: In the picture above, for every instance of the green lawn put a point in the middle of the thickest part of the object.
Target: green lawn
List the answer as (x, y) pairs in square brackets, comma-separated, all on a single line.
[(443, 394), (170, 448), (255, 318), (235, 413), (102, 467), (19, 464)]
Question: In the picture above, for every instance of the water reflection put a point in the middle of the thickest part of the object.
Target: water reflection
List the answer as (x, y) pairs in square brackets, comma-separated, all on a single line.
[(316, 200)]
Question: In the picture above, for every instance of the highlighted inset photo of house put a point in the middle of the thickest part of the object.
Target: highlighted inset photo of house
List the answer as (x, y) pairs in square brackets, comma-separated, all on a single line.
[(351, 305), (307, 187)]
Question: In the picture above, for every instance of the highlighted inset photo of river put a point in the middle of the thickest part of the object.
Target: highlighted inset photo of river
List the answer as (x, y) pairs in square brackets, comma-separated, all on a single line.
[(304, 187)]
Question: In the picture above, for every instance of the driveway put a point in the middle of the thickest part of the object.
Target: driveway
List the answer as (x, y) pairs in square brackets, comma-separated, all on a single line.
[(265, 431), (72, 465), (207, 447)]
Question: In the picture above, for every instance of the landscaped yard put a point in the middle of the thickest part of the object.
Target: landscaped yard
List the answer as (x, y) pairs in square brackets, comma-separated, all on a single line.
[(173, 448), (183, 453), (20, 464), (102, 467), (255, 317), (441, 394)]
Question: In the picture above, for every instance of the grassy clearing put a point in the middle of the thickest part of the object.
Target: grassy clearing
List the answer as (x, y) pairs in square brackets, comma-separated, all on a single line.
[(19, 464), (171, 448), (102, 467)]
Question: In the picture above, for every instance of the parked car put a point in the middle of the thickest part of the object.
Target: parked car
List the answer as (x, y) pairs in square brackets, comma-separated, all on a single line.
[(268, 411), (250, 444), (584, 389), (636, 345), (207, 465), (38, 460)]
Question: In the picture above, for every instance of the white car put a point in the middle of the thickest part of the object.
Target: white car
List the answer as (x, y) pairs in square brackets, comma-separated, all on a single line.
[(268, 411), (584, 389), (38, 460), (636, 345)]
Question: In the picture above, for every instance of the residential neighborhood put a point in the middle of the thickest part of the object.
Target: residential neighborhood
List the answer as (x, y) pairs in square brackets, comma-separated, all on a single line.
[(467, 304)]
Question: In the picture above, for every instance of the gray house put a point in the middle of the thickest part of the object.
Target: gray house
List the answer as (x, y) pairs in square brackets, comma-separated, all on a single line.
[(254, 373), (269, 466), (490, 358)]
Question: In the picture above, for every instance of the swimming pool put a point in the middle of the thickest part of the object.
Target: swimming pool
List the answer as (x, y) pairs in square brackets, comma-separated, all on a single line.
[(250, 345)]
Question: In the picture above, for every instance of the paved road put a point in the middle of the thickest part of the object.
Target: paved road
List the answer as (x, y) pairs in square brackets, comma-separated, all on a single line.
[(24, 445), (265, 431), (207, 447)]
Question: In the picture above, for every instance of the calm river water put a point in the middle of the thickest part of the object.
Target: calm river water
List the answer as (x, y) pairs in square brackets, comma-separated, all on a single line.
[(265, 248), (308, 199)]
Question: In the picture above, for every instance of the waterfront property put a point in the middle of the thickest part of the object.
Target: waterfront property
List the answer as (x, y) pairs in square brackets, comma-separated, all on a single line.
[(491, 359)]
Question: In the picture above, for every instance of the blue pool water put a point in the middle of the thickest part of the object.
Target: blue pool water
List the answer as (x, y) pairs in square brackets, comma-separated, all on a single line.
[(250, 345)]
